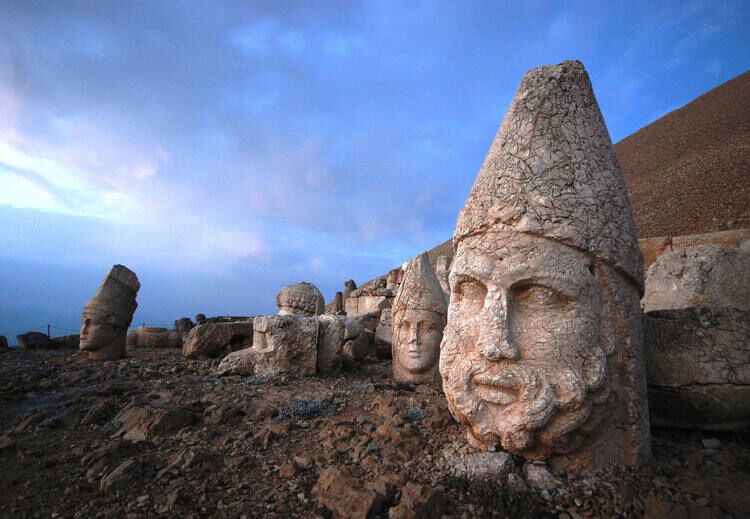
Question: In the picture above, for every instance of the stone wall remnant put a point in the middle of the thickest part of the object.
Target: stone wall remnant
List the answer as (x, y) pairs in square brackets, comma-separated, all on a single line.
[(542, 351), (702, 275), (698, 367), (154, 337), (300, 299), (419, 313), (107, 316)]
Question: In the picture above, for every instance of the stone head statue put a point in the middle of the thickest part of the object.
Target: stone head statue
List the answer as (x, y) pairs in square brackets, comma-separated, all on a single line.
[(541, 354), (300, 299), (107, 315), (418, 317)]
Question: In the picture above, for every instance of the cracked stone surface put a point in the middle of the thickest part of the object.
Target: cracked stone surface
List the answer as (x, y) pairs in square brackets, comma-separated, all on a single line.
[(698, 367), (703, 275), (418, 319), (542, 351), (107, 316)]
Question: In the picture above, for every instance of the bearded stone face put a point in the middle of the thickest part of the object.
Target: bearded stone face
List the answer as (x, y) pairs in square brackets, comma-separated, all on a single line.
[(521, 357)]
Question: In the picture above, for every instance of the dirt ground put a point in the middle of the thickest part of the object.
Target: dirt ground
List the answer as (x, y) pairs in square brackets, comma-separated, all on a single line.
[(156, 435)]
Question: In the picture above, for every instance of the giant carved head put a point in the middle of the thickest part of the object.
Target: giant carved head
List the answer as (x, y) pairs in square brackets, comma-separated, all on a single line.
[(418, 321), (541, 352), (107, 316)]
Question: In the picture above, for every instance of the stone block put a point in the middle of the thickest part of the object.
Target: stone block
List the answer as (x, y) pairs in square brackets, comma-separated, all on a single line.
[(698, 368)]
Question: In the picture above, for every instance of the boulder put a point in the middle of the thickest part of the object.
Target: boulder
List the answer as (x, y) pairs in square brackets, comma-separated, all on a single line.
[(698, 368), (702, 275), (338, 491), (211, 339), (282, 345), (3, 342)]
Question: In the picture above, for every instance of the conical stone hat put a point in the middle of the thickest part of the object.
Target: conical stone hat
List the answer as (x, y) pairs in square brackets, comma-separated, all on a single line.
[(552, 172), (115, 297), (420, 289)]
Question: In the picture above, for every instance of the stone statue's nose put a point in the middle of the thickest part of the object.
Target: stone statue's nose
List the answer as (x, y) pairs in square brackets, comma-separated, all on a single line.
[(495, 342)]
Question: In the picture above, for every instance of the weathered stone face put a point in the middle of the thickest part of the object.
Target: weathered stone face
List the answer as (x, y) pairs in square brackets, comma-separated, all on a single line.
[(97, 331), (108, 314), (542, 350), (418, 321), (523, 340)]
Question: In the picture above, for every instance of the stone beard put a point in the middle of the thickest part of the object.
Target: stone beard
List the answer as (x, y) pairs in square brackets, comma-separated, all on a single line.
[(533, 331), (416, 347)]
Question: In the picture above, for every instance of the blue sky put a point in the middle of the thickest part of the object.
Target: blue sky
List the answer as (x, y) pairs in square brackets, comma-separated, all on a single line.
[(224, 149)]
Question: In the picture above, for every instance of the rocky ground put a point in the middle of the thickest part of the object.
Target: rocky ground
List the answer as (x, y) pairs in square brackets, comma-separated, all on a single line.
[(158, 435)]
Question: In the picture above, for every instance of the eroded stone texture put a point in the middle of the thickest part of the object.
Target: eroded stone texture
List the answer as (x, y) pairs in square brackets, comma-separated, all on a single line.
[(282, 345), (542, 349), (301, 299), (703, 275), (108, 314), (331, 340), (442, 271), (211, 339), (419, 312), (698, 368)]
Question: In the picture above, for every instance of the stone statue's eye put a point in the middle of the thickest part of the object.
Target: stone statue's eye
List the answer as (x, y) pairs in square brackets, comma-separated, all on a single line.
[(538, 296), (471, 294)]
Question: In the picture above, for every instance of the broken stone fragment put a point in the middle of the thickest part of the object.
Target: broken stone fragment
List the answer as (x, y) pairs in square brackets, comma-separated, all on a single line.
[(338, 491), (212, 339), (703, 275), (282, 345)]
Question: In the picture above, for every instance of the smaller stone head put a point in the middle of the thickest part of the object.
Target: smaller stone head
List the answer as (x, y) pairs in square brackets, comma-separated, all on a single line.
[(108, 314), (300, 299), (419, 312)]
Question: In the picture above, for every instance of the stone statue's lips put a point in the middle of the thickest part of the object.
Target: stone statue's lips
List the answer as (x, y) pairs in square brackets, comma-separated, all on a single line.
[(496, 389)]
